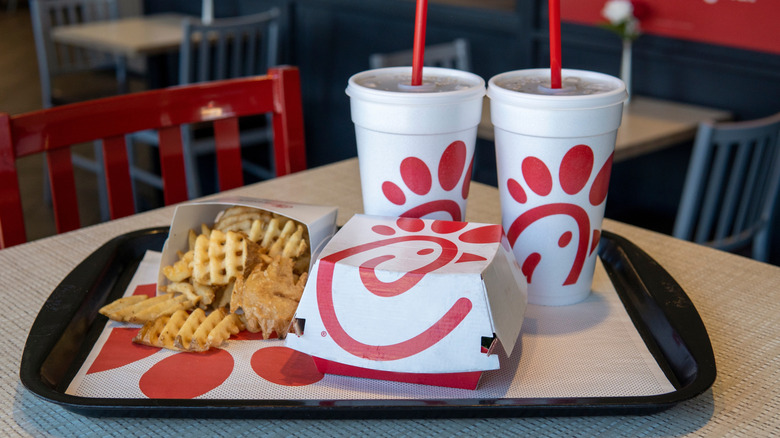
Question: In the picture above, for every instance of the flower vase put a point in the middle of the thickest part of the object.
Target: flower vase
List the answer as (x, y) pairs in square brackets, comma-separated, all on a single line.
[(207, 11), (625, 68)]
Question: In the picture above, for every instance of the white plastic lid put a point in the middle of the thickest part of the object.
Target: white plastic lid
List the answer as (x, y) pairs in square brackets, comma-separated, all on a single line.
[(615, 94), (440, 85)]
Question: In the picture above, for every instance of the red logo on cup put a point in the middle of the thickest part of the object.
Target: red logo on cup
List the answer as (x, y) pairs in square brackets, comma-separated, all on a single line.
[(575, 171), (418, 180)]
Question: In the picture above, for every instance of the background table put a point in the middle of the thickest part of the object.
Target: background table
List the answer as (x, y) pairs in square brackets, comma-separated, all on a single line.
[(129, 36), (648, 125), (738, 299)]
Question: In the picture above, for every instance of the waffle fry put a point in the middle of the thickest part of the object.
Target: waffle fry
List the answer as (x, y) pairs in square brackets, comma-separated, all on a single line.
[(219, 258), (290, 243), (206, 332), (240, 218), (120, 304), (182, 287), (167, 336), (149, 333), (230, 325), (185, 331), (283, 236), (222, 298), (180, 270), (191, 237), (257, 230), (275, 229), (143, 310), (200, 294)]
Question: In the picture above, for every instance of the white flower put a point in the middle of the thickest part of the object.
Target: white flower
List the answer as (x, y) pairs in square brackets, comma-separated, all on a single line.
[(618, 11)]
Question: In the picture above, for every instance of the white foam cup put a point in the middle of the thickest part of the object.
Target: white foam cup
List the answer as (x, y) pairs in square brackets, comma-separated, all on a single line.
[(554, 155), (416, 144)]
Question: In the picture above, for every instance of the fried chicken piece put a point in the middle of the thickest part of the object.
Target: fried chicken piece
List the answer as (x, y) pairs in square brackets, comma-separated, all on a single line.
[(268, 297)]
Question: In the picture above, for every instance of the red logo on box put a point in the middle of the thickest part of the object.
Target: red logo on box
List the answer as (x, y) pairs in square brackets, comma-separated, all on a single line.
[(449, 251)]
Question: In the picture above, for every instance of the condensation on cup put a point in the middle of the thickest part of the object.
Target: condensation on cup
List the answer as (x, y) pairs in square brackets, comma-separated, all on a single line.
[(416, 143), (554, 151)]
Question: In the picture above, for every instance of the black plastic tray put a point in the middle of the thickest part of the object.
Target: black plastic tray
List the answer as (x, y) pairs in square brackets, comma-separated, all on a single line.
[(68, 325)]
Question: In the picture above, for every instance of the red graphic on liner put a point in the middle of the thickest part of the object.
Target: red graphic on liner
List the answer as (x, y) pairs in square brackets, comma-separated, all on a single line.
[(285, 366), (367, 271), (119, 350), (418, 179), (150, 290), (187, 375), (575, 170)]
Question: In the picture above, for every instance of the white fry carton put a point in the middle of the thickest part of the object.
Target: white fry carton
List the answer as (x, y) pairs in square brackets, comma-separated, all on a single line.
[(411, 300), (320, 222)]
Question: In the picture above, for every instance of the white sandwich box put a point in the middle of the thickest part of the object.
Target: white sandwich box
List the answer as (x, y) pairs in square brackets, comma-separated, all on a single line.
[(411, 300)]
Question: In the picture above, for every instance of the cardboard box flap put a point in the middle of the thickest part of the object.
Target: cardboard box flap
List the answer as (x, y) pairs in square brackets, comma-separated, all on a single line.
[(304, 213), (507, 296)]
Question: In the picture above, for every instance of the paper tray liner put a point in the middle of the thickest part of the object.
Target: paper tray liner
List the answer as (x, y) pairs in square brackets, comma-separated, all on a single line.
[(563, 352)]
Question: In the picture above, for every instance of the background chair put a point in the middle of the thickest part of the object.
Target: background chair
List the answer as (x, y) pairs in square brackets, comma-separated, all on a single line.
[(53, 131), (64, 63), (731, 188), (83, 73), (226, 48), (455, 54)]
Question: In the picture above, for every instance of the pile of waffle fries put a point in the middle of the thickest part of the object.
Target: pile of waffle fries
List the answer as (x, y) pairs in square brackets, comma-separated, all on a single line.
[(247, 272)]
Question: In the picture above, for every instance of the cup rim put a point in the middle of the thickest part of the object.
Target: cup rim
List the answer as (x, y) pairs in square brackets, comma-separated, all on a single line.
[(357, 91), (551, 101)]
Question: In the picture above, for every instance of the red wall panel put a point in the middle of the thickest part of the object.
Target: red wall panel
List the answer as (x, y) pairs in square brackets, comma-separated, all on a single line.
[(745, 24)]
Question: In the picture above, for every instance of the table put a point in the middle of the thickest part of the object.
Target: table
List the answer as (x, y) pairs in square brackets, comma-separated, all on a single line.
[(648, 125), (129, 36), (737, 298), (151, 36)]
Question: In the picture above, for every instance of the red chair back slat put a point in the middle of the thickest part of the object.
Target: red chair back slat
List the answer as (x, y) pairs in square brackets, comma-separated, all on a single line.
[(118, 182), (289, 143), (63, 190), (228, 143), (172, 165), (12, 231), (55, 130)]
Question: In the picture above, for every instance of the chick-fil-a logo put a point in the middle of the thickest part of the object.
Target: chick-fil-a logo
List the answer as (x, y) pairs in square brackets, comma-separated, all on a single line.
[(448, 251), (418, 181), (576, 171)]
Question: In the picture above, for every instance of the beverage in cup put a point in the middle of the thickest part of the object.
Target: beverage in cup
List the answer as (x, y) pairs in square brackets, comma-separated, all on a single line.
[(554, 152), (416, 143)]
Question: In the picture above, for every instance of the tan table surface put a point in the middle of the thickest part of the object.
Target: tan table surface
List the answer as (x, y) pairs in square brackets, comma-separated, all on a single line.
[(738, 299), (648, 125), (129, 36)]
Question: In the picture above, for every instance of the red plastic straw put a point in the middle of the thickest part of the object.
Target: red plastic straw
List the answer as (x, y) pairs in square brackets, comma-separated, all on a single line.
[(419, 41), (555, 43)]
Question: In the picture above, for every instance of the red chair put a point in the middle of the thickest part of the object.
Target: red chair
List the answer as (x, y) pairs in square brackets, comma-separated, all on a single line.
[(53, 131)]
